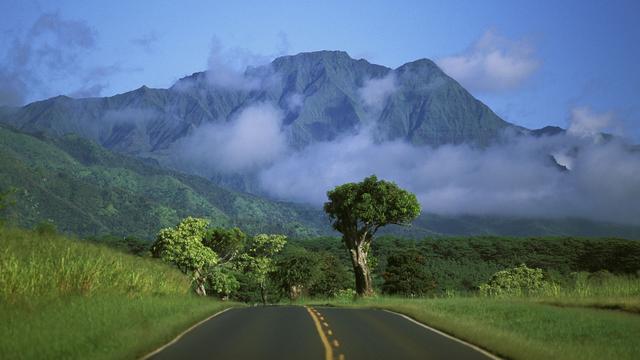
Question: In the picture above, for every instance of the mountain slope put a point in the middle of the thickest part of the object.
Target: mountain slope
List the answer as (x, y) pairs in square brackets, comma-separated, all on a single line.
[(87, 190)]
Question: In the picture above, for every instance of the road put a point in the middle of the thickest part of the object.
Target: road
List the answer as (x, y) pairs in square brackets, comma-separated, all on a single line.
[(310, 333)]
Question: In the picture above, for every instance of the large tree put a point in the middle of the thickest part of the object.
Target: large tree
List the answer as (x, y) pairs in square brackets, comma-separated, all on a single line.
[(358, 210)]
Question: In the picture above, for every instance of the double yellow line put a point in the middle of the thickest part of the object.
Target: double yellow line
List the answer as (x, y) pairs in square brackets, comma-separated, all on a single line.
[(328, 348)]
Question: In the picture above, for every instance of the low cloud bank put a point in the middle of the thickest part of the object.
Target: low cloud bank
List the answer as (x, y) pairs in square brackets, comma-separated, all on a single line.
[(515, 178), (568, 175)]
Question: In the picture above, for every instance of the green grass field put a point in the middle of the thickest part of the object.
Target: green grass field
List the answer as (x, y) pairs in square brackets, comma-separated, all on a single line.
[(64, 298)]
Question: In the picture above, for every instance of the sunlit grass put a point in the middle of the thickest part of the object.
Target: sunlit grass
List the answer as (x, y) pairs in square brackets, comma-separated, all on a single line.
[(36, 267), (520, 328), (67, 299), (590, 318)]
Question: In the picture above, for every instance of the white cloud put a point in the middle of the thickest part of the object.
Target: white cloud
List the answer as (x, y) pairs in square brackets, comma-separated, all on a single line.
[(493, 63), (227, 68), (249, 141), (586, 123), (374, 92)]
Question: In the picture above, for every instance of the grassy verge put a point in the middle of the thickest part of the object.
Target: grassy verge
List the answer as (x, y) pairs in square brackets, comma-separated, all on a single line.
[(105, 327), (63, 298), (520, 328)]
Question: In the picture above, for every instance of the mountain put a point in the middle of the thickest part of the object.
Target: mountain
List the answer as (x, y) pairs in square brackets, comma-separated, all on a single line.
[(108, 165), (427, 107)]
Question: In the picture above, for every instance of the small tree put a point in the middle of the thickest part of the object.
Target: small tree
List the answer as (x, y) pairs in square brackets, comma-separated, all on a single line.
[(182, 245), (358, 210), (258, 262)]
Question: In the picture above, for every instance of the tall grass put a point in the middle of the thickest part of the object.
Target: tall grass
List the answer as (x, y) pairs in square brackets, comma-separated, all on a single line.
[(38, 267), (600, 290), (65, 298)]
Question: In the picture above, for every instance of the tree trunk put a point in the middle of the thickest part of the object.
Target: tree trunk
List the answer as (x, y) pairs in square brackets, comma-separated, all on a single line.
[(364, 285), (200, 289), (263, 294)]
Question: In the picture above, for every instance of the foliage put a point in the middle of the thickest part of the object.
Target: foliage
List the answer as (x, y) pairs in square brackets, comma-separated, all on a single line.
[(358, 210), (296, 270), (333, 276), (407, 275), (258, 263), (222, 280), (362, 208), (518, 281), (227, 243), (183, 246)]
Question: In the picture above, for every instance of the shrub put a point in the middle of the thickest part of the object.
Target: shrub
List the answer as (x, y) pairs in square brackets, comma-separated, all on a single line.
[(518, 281)]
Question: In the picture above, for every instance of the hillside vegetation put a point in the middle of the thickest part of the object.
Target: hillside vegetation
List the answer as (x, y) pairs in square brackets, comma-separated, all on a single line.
[(85, 189), (99, 303)]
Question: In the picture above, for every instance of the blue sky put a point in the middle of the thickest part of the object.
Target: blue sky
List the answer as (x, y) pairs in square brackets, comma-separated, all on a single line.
[(531, 62)]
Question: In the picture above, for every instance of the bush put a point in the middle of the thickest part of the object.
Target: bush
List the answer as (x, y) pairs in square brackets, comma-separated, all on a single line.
[(518, 281)]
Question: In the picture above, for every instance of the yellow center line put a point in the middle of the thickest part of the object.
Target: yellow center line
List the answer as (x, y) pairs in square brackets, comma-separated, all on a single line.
[(341, 357), (329, 332), (336, 343), (328, 350)]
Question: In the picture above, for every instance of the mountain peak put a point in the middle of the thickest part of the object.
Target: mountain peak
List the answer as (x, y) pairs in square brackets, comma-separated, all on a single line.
[(320, 54)]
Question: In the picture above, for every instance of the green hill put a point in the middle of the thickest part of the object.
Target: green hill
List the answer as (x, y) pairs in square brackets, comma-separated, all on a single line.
[(86, 190)]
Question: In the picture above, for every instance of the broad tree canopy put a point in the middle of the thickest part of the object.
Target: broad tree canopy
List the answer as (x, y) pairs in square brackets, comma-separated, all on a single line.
[(362, 208)]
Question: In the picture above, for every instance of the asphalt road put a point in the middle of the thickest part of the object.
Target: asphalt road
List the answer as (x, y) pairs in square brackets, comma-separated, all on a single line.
[(322, 333)]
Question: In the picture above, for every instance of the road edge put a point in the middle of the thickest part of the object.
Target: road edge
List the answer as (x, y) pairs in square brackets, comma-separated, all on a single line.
[(154, 352), (439, 332)]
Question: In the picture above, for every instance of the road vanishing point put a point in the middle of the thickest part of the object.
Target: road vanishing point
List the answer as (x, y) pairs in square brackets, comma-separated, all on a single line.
[(310, 333)]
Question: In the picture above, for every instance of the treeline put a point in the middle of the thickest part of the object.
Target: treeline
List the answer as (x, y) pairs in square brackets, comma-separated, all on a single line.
[(320, 267)]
